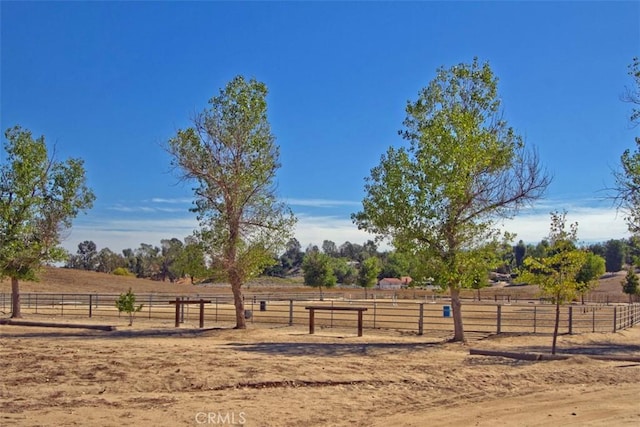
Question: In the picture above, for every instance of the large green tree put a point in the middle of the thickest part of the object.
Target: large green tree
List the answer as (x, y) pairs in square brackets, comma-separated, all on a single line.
[(39, 197), (464, 168), (231, 154), (557, 273)]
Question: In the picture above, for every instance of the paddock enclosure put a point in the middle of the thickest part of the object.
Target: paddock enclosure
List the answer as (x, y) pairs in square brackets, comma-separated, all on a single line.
[(427, 316)]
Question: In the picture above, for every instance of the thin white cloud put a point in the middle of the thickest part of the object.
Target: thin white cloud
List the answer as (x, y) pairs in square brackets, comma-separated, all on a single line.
[(321, 203), (595, 224), (171, 201), (145, 209)]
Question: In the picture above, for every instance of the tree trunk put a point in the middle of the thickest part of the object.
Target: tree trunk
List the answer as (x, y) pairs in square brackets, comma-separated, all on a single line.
[(456, 305), (555, 327), (15, 299), (241, 322)]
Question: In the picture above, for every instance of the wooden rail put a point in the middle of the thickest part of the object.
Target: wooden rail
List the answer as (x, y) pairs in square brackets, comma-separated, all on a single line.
[(313, 308), (179, 303)]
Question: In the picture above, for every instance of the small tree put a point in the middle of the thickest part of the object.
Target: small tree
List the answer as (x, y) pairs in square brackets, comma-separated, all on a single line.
[(556, 274), (590, 272), (368, 273), (318, 271), (127, 303), (630, 285)]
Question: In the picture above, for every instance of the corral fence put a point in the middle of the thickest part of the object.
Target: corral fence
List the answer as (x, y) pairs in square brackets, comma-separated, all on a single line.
[(421, 317)]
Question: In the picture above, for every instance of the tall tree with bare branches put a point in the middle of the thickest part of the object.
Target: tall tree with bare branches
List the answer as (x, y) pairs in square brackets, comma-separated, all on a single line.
[(464, 169), (231, 154), (627, 187)]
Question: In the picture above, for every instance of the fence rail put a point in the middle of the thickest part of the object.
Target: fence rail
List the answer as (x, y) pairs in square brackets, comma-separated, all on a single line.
[(432, 317)]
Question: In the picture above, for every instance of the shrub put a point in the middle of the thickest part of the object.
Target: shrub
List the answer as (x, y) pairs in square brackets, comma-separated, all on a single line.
[(121, 271)]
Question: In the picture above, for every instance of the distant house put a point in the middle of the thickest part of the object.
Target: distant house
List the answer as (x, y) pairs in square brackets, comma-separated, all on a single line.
[(394, 283)]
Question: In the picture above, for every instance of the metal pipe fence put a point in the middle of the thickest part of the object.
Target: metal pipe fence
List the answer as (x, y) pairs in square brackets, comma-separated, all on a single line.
[(420, 317)]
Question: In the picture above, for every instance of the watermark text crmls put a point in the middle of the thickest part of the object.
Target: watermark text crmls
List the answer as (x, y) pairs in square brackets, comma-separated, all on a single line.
[(221, 418)]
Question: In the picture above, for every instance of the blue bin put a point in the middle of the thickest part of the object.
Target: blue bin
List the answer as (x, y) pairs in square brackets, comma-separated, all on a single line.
[(446, 311)]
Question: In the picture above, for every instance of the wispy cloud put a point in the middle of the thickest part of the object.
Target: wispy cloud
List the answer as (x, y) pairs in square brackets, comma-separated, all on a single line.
[(182, 200), (321, 203), (595, 224)]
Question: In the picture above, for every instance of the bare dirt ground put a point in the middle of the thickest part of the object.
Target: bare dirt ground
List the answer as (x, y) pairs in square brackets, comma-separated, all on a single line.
[(156, 375), (284, 377)]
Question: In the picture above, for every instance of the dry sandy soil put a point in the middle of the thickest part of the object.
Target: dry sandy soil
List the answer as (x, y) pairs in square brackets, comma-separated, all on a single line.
[(143, 375), (156, 375)]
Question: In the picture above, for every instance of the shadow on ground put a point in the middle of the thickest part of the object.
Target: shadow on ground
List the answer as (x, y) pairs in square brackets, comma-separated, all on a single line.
[(331, 349)]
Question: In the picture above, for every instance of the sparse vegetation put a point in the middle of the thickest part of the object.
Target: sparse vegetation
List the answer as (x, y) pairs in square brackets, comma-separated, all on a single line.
[(127, 303)]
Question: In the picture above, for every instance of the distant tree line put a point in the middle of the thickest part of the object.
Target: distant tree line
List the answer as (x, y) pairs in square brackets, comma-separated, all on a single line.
[(345, 264)]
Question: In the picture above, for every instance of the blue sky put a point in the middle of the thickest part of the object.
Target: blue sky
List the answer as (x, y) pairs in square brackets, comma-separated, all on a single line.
[(111, 82)]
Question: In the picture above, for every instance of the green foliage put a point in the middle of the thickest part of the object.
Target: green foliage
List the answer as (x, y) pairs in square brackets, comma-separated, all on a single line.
[(318, 270), (121, 271), (127, 303), (438, 199), (191, 261), (591, 270), (231, 154), (627, 178), (39, 197), (345, 272), (85, 258), (368, 272), (557, 274), (630, 284), (614, 255), (108, 261), (519, 253), (396, 264)]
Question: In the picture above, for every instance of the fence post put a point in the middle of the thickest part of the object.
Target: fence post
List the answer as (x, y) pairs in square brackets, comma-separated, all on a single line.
[(290, 312), (593, 321), (615, 315), (177, 312), (421, 320), (61, 304), (570, 320), (499, 319), (331, 314), (375, 305), (36, 303), (150, 302), (535, 318), (90, 305)]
